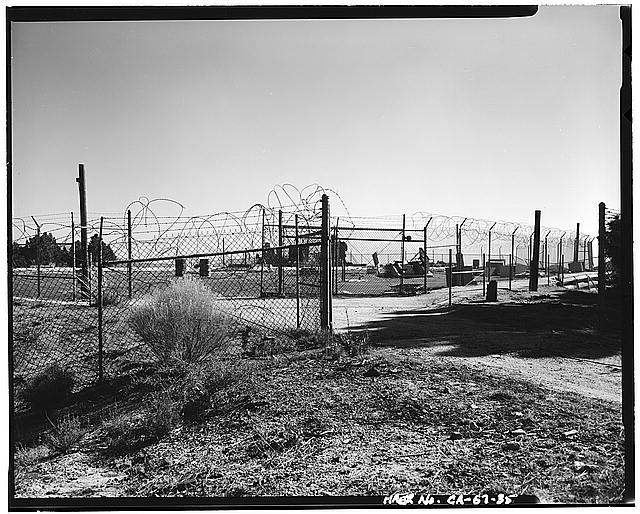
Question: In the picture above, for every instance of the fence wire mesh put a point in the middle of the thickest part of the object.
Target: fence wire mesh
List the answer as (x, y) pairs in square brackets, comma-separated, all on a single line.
[(259, 267)]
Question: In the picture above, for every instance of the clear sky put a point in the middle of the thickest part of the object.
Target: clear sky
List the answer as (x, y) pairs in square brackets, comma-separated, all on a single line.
[(481, 118)]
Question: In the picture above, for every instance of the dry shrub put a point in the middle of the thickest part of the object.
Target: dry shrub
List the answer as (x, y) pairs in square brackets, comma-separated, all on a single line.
[(66, 433), (25, 457), (127, 432), (184, 321)]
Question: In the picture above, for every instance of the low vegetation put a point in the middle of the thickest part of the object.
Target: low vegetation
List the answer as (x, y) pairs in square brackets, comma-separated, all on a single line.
[(183, 321), (48, 389)]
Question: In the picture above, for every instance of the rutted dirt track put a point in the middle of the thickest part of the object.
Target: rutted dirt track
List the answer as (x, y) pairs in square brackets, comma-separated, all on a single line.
[(548, 337)]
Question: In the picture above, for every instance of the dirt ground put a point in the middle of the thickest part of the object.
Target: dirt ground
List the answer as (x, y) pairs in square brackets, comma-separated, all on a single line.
[(558, 346)]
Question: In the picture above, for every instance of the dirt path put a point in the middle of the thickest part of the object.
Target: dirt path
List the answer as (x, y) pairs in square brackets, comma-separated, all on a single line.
[(542, 337)]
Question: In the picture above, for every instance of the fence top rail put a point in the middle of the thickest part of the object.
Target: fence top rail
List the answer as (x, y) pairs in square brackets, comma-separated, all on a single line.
[(208, 254)]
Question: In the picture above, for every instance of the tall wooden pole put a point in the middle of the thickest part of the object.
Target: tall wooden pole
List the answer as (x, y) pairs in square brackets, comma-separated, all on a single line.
[(84, 251), (535, 254), (577, 244)]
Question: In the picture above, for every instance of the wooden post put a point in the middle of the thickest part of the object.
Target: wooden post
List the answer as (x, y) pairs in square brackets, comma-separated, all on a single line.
[(450, 276), (73, 258), (402, 255), (548, 278), (100, 364), (129, 253), (297, 276), (325, 284), (37, 254), (535, 254), (84, 251), (280, 243), (602, 272)]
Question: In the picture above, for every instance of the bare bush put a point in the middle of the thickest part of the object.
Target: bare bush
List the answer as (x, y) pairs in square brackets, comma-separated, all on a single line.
[(184, 321), (66, 433)]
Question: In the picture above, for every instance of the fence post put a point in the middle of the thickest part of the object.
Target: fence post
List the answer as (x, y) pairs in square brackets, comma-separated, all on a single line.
[(325, 284), (426, 259), (73, 258), (510, 267), (402, 256), (280, 243), (129, 252), (262, 262), (489, 253), (297, 277), (334, 257), (85, 287), (576, 248), (515, 256), (535, 253), (602, 272), (100, 365), (484, 274), (37, 254), (450, 275), (89, 288)]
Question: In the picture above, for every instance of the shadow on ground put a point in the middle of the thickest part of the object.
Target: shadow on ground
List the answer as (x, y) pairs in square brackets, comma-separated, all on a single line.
[(562, 324)]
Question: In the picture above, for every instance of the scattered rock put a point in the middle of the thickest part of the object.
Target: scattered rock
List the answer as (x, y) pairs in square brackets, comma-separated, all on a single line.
[(570, 433), (518, 432)]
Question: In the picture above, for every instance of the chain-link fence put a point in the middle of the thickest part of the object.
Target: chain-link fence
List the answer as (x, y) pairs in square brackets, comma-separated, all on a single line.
[(401, 255), (77, 314)]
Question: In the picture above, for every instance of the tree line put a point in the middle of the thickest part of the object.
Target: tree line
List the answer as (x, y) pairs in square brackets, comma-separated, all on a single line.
[(51, 252)]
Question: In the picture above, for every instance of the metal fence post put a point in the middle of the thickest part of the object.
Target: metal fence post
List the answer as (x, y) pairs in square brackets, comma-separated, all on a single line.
[(450, 275), (89, 288), (129, 253), (262, 260), (484, 274), (280, 243), (297, 276), (602, 272), (100, 364), (489, 253), (73, 258), (402, 255), (325, 284), (37, 254)]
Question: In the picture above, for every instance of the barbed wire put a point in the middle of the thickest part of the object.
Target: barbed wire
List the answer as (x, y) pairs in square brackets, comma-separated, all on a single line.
[(156, 233)]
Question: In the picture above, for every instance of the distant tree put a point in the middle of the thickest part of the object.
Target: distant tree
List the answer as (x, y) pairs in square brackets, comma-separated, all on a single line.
[(19, 257), (94, 249), (45, 246)]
